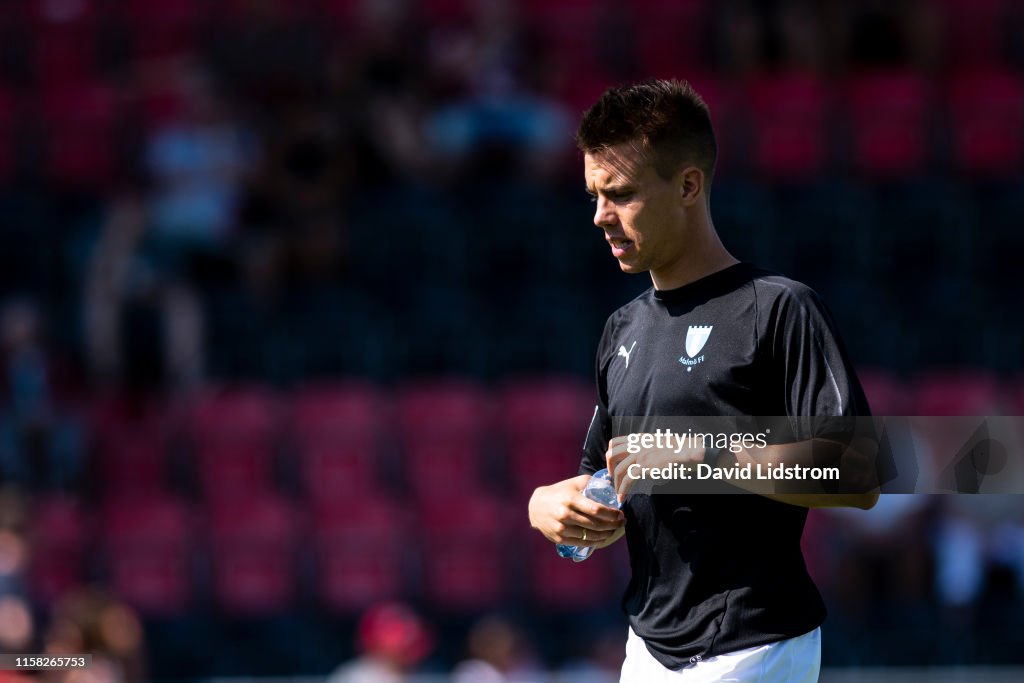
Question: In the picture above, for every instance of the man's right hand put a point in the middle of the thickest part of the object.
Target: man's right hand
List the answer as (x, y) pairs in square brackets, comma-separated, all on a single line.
[(562, 513)]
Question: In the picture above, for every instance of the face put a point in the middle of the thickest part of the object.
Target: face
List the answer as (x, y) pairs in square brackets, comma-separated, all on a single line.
[(643, 215)]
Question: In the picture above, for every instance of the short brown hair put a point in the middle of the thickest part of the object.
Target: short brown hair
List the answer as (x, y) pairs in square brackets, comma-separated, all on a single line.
[(667, 117)]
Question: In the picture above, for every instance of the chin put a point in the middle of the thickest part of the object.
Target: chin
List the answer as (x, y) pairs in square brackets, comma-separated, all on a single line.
[(631, 268)]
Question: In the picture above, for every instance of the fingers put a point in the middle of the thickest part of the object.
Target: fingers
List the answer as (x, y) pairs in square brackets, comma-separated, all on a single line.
[(561, 512), (580, 535), (597, 517), (593, 513), (619, 459)]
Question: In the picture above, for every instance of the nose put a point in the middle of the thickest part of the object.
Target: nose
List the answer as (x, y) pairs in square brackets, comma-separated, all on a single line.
[(604, 214)]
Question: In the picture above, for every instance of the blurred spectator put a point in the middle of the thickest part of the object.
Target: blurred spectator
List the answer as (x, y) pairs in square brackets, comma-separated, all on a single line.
[(39, 447), (141, 327), (90, 621), (882, 559), (878, 36), (377, 83), (17, 622), (289, 145), (17, 626), (740, 41), (976, 534), (294, 205), (497, 655), (13, 549), (196, 165), (493, 67), (269, 54), (800, 36), (393, 640)]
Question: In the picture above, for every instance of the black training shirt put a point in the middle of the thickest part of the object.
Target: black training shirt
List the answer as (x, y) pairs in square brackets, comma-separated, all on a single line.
[(713, 574)]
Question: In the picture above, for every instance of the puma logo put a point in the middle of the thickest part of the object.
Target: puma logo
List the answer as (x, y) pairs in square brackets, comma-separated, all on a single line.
[(625, 354)]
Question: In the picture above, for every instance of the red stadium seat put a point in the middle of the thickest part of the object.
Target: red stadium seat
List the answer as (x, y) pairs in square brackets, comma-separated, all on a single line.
[(234, 432), (568, 32), (330, 469), (59, 532), (888, 115), (360, 549), (556, 583), (544, 423), (132, 462), (62, 55), (972, 30), (81, 133), (443, 468), (233, 469), (726, 109), (149, 550), (957, 392), (550, 408), (443, 435), (788, 113), (64, 40), (438, 11), (252, 546), (337, 412), (161, 28), (886, 394), (534, 463), (986, 117), (445, 408), (240, 414), (465, 560), (670, 35), (130, 441), (337, 431)]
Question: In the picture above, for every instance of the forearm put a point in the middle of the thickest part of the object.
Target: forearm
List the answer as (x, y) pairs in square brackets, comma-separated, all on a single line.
[(856, 486)]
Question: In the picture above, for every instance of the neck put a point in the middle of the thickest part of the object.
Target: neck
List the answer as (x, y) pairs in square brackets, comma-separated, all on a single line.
[(705, 256)]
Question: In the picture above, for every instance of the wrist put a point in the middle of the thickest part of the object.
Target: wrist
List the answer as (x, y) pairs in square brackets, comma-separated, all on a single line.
[(712, 456)]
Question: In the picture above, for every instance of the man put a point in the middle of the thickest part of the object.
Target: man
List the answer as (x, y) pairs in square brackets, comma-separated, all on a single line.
[(719, 589), (393, 639)]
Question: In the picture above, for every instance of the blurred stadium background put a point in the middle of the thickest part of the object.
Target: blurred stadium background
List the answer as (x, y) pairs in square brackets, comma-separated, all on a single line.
[(300, 301)]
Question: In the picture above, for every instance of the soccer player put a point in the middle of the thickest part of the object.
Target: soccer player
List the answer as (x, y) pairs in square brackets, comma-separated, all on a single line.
[(719, 589)]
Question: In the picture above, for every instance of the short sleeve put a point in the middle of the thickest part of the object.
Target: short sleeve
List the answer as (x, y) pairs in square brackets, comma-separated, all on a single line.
[(813, 368), (595, 444)]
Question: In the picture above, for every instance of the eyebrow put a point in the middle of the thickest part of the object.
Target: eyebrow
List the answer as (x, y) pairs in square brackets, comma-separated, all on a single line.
[(614, 188)]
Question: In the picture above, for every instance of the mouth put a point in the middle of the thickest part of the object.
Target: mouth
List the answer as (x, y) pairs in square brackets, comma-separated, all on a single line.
[(620, 246)]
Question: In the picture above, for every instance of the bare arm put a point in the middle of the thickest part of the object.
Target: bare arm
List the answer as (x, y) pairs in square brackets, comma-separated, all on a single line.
[(855, 461), (562, 513)]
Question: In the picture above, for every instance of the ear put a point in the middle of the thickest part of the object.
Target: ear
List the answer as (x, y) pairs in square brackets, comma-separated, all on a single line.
[(691, 185)]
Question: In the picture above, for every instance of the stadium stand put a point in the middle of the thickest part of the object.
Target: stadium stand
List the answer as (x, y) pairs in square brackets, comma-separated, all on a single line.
[(398, 331)]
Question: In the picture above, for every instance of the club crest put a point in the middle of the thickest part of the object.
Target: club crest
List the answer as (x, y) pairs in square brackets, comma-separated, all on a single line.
[(696, 338)]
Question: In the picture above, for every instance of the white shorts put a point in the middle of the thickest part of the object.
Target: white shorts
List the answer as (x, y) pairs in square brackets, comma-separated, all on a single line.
[(796, 660)]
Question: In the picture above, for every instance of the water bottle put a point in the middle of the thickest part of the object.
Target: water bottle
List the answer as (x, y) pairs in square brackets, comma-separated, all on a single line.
[(601, 490)]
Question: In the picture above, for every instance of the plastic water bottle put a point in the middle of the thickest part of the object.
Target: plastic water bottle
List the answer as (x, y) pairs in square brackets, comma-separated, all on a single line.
[(601, 490)]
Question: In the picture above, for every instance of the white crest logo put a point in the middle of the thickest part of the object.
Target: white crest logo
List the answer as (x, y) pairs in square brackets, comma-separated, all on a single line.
[(625, 354), (696, 338)]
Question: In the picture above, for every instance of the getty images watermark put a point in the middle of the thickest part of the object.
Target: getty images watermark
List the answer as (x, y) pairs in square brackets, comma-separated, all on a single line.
[(715, 442), (894, 454)]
